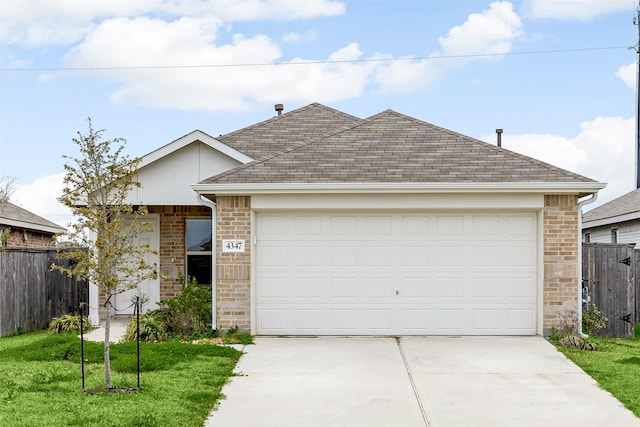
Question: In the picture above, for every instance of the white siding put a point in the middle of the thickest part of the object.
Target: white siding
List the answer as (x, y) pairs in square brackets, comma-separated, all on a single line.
[(168, 180), (628, 232)]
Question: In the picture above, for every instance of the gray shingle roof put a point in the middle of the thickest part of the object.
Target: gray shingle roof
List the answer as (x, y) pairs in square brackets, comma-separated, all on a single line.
[(13, 215), (627, 204), (394, 148), (287, 130)]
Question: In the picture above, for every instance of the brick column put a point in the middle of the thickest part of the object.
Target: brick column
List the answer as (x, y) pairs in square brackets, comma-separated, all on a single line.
[(234, 269), (560, 261)]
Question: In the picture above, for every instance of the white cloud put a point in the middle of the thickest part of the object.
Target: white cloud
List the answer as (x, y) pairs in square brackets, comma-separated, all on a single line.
[(599, 151), (186, 34), (628, 74), (491, 32), (41, 198), (581, 10), (44, 22)]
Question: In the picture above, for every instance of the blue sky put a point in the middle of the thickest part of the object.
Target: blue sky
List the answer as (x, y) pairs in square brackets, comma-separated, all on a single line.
[(556, 75)]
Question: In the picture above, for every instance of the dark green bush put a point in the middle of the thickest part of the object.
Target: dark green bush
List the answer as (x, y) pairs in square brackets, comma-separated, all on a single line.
[(189, 312)]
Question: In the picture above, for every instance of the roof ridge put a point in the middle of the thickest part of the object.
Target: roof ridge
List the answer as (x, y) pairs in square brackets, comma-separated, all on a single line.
[(287, 114), (290, 149)]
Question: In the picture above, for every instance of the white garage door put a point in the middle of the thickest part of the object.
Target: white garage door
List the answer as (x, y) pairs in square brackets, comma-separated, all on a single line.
[(396, 274)]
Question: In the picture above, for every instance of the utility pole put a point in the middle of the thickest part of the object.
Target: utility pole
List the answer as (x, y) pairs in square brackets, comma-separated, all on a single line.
[(636, 22)]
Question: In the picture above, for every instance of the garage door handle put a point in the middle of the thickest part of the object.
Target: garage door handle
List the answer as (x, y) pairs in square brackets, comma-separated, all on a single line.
[(397, 293)]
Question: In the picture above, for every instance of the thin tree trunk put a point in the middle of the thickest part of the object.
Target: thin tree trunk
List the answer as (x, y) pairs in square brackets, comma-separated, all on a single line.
[(107, 357)]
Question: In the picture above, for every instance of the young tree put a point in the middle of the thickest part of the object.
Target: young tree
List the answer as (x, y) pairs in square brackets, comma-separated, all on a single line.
[(6, 189), (104, 247)]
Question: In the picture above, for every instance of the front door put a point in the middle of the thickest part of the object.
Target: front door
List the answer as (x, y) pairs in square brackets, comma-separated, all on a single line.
[(148, 290)]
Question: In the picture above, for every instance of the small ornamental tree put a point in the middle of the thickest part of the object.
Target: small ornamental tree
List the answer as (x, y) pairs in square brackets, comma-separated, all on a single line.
[(6, 189), (104, 247)]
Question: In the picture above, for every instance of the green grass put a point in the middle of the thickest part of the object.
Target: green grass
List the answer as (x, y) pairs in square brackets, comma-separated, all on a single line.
[(41, 383), (615, 366)]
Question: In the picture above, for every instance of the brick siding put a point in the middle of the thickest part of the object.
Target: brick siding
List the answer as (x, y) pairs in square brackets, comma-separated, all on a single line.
[(560, 261), (233, 269), (172, 243), (29, 239)]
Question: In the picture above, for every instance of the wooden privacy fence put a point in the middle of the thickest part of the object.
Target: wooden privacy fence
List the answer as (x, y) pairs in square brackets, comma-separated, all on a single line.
[(31, 294), (609, 280)]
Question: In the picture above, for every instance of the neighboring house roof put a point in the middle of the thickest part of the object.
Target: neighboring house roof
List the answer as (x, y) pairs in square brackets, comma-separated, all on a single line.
[(288, 130), (392, 148), (624, 208), (14, 216)]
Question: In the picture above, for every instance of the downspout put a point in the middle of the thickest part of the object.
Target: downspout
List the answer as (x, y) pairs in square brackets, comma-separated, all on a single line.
[(581, 204), (214, 298)]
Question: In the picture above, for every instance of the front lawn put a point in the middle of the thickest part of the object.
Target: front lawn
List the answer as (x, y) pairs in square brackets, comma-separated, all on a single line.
[(41, 382), (615, 366)]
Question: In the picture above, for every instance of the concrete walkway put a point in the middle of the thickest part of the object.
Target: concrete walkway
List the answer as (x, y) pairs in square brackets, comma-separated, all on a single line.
[(116, 332), (422, 381)]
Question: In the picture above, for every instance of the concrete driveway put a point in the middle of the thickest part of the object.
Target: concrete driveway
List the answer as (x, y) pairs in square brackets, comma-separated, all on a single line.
[(421, 381)]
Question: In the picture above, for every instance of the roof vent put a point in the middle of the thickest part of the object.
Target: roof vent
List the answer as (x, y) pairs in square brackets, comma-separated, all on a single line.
[(499, 133), (279, 108)]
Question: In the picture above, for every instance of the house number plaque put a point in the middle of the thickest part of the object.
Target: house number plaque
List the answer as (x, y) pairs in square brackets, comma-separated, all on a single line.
[(232, 245)]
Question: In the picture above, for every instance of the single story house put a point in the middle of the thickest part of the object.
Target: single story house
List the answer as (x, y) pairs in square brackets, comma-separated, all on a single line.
[(26, 229), (617, 221), (316, 222)]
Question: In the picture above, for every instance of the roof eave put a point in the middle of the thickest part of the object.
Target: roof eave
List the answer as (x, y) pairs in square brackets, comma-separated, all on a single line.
[(190, 138), (30, 226), (611, 220), (577, 188)]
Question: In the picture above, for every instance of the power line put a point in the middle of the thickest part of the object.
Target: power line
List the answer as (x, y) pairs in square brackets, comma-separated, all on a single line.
[(346, 61)]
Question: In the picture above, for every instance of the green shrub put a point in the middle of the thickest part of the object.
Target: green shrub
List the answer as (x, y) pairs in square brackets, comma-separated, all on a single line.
[(593, 320), (151, 328), (189, 312), (69, 322)]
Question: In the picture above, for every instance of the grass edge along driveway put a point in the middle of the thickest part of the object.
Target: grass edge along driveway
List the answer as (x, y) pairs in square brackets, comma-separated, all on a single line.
[(615, 366), (41, 382)]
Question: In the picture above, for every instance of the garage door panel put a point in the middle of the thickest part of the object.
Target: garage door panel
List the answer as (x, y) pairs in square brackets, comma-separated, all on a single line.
[(378, 225), (379, 255), (344, 320), (415, 288), (487, 289), (343, 225), (416, 255), (450, 225), (450, 288), (308, 225), (378, 288), (416, 227), (521, 288), (343, 288), (521, 320), (520, 256), (416, 321), (344, 256), (396, 274), (273, 256), (378, 320), (451, 256), (272, 288)]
